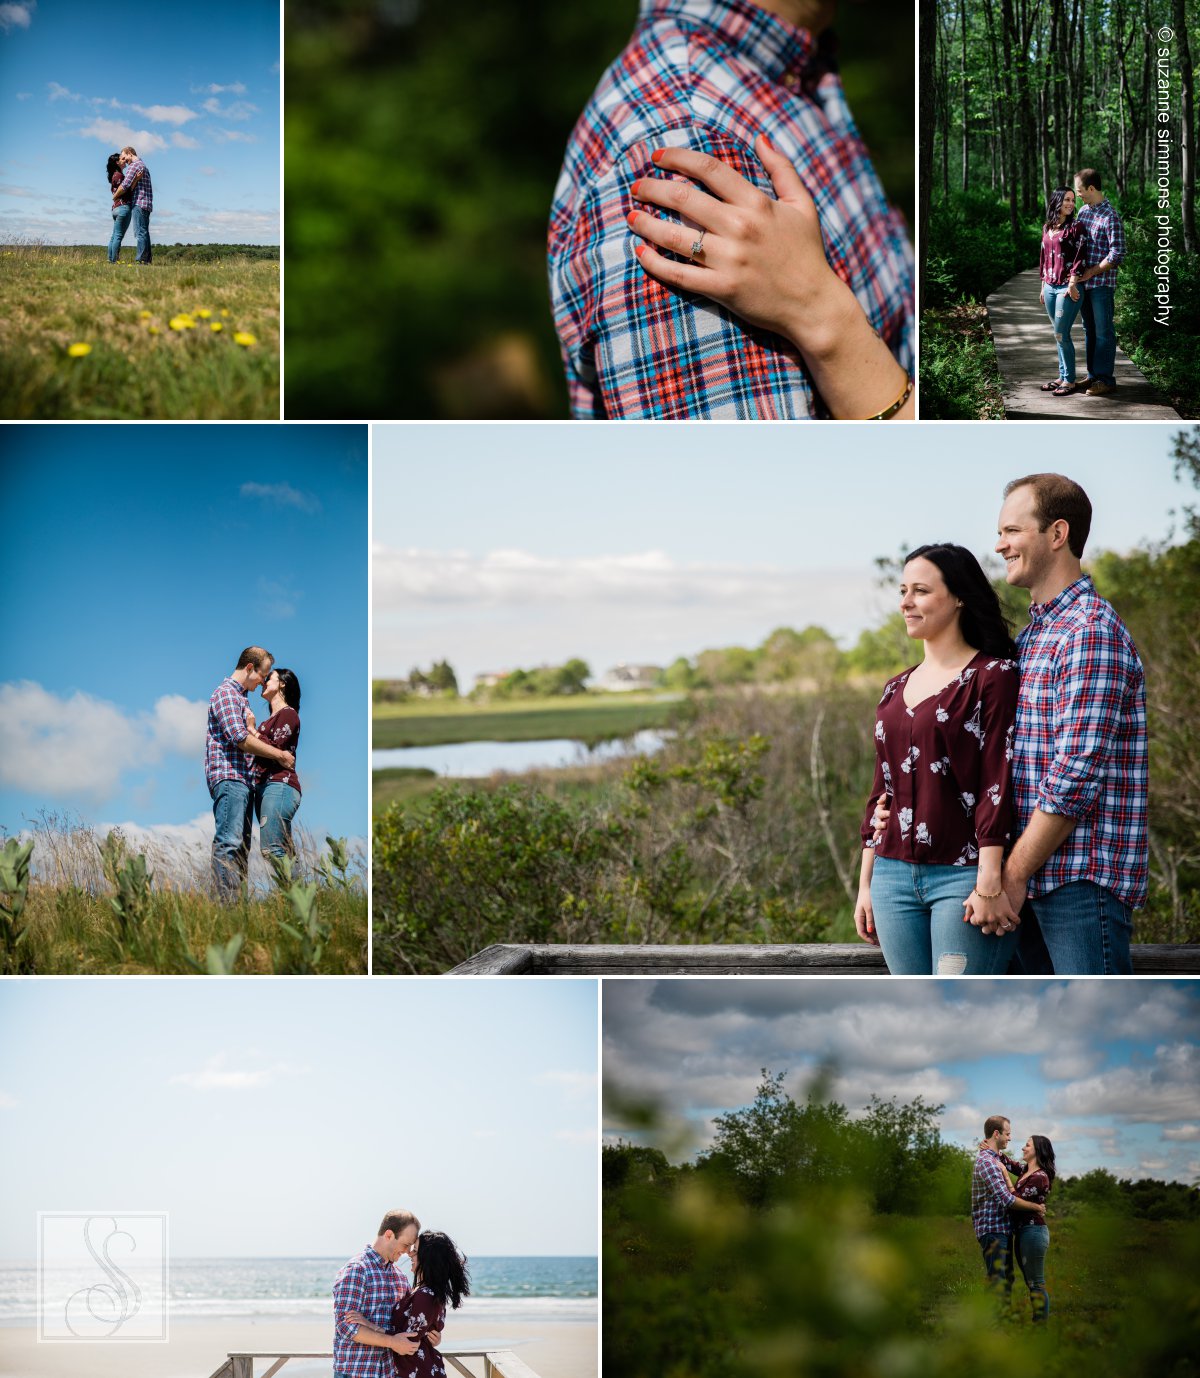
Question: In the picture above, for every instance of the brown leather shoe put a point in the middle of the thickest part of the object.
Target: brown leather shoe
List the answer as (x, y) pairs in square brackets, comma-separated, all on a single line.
[(1100, 389)]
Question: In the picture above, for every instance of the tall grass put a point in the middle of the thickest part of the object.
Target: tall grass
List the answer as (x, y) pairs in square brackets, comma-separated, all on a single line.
[(98, 906), (129, 360)]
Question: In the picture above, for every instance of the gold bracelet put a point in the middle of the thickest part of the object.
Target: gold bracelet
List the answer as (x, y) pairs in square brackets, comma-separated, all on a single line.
[(888, 412), (981, 896)]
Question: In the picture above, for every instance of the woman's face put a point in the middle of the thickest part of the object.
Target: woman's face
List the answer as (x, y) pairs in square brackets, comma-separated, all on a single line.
[(1029, 1153), (1068, 205), (271, 685), (927, 605)]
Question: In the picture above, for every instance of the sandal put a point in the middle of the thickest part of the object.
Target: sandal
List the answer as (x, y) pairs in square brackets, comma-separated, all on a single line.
[(1049, 387), (1065, 389)]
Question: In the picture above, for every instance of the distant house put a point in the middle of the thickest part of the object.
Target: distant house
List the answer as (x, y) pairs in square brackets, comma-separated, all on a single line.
[(491, 678), (622, 678)]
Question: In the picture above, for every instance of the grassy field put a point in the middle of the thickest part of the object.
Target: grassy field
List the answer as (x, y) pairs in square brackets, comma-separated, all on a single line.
[(411, 787), (586, 719), (185, 339)]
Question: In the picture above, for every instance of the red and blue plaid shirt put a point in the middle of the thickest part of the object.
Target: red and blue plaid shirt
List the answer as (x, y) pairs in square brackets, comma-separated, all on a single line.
[(224, 758), (710, 75), (1080, 745), (1104, 238), (372, 1287), (991, 1195), (143, 193)]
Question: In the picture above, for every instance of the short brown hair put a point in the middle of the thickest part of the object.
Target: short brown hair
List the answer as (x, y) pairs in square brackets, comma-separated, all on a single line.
[(1089, 177), (256, 656), (398, 1222), (992, 1123), (1059, 499), (129, 148)]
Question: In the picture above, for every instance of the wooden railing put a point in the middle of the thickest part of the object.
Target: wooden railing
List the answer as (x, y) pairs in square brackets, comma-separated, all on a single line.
[(803, 959), (497, 1363)]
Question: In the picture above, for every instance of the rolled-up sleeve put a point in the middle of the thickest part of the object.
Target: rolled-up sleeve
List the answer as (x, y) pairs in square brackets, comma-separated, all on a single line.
[(349, 1294), (996, 1182), (1095, 677), (1116, 235)]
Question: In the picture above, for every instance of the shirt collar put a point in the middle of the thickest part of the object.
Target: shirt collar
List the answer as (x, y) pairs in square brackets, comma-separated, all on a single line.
[(772, 45), (229, 679), (1061, 601)]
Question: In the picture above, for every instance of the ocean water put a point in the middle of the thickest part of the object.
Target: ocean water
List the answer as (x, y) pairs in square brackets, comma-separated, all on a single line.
[(516, 1289)]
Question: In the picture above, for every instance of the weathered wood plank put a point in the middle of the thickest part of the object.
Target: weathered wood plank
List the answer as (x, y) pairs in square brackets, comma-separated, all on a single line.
[(807, 959), (503, 1363)]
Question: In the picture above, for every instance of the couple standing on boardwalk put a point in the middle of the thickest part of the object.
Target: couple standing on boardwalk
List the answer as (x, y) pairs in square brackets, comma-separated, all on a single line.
[(385, 1326), (1082, 250), (1007, 824)]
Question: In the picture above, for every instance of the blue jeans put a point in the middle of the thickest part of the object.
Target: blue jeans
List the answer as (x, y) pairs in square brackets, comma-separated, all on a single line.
[(1062, 312), (231, 839), (276, 805), (1031, 1243), (919, 922), (1100, 337), (1080, 929), (998, 1264), (141, 228), (120, 224)]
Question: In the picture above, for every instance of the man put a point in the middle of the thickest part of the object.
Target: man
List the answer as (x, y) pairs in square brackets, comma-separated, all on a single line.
[(228, 746), (1105, 239), (137, 178), (992, 1198), (364, 1294), (710, 76), (1080, 775)]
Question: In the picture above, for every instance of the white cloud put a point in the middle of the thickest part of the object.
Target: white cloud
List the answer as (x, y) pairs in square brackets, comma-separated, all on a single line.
[(282, 495), (59, 92), (1156, 1091), (218, 1075), (24, 95), (18, 16), (213, 89), (119, 135), (81, 746), (166, 114), (1184, 1134), (236, 110), (183, 141), (17, 191), (234, 136)]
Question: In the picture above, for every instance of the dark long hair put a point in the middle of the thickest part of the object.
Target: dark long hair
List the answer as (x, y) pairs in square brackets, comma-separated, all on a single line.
[(442, 1269), (113, 160), (1045, 1154), (1054, 205), (289, 686), (983, 623)]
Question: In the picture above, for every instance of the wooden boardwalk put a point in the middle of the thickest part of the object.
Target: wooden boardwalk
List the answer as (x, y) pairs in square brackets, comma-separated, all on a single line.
[(497, 1363), (1027, 358), (749, 959)]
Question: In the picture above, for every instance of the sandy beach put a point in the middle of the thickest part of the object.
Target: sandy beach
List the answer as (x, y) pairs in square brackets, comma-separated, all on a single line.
[(196, 1349)]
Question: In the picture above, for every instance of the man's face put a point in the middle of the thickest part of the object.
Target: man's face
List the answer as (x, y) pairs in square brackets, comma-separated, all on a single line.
[(1003, 1136), (399, 1246), (258, 675), (1088, 195), (1027, 552)]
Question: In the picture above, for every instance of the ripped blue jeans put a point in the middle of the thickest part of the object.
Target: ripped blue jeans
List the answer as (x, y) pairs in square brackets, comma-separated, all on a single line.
[(1062, 312)]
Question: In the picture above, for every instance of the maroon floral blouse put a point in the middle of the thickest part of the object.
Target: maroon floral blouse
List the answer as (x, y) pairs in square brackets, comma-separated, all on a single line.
[(1063, 252), (419, 1313), (282, 730), (946, 765), (1035, 1188)]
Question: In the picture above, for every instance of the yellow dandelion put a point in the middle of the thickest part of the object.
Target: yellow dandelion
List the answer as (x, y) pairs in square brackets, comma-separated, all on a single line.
[(154, 330), (216, 325), (203, 313), (182, 322), (244, 337), (224, 312), (78, 350), (144, 315)]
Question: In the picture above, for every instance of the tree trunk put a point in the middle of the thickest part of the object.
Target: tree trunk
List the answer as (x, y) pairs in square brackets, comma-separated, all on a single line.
[(928, 29), (966, 114)]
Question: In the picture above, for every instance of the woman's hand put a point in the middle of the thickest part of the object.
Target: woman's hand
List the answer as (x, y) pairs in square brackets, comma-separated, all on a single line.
[(993, 915), (879, 819), (864, 918)]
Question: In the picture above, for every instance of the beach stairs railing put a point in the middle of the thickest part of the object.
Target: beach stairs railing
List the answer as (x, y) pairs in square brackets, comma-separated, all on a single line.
[(497, 1363), (743, 959)]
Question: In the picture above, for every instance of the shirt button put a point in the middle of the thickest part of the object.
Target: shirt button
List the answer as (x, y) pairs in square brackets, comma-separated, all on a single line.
[(792, 81)]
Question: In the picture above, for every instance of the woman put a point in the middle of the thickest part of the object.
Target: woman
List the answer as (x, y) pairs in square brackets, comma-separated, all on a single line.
[(439, 1277), (277, 790), (1064, 253), (765, 260), (943, 743), (1031, 1234), (122, 209)]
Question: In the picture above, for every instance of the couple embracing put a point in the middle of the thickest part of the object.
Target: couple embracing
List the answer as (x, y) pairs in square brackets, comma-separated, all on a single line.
[(1006, 828), (250, 769), (385, 1326), (1010, 1216)]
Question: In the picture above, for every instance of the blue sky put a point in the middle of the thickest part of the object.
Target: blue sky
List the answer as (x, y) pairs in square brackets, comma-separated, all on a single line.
[(523, 545), (287, 1123), (1108, 1070), (193, 87), (138, 561)]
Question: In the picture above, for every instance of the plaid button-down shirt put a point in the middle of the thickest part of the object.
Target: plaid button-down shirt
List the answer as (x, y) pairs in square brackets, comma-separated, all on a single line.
[(1080, 745), (991, 1195), (143, 193), (224, 758), (710, 75), (1104, 237), (372, 1287)]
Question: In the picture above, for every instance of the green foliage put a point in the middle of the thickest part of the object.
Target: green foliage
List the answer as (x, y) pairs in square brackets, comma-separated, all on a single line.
[(547, 681), (310, 936), (960, 378), (971, 250), (334, 869), (14, 892)]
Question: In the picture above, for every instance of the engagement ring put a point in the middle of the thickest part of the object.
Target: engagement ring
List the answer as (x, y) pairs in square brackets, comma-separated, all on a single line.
[(698, 246)]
